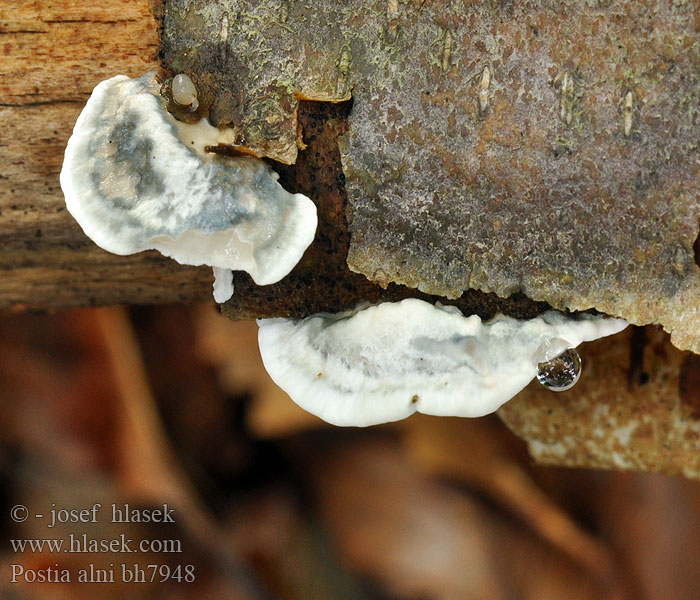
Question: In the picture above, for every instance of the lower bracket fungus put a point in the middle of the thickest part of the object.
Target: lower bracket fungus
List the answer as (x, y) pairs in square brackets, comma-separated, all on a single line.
[(382, 363), (136, 179)]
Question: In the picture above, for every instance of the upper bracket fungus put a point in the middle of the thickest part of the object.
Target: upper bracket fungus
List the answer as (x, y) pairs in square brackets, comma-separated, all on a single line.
[(385, 362), (136, 179)]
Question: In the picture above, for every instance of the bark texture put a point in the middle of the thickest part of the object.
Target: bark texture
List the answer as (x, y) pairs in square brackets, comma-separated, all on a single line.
[(636, 407), (547, 148)]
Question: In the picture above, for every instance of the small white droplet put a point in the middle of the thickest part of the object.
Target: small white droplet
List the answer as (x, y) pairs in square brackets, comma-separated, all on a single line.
[(562, 372), (184, 91)]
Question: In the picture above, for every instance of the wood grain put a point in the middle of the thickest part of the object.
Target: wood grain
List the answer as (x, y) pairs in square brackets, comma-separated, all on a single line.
[(53, 53)]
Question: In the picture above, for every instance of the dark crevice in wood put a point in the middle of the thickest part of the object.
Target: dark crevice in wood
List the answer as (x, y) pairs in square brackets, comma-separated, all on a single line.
[(636, 375), (42, 103)]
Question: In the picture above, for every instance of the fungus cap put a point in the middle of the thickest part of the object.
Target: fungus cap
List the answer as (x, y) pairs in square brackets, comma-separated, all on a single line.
[(135, 179), (385, 362)]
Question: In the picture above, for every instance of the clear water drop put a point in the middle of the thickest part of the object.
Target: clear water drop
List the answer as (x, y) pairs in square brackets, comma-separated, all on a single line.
[(562, 372)]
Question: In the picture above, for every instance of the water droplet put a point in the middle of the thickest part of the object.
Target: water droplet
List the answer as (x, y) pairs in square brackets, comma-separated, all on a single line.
[(560, 373)]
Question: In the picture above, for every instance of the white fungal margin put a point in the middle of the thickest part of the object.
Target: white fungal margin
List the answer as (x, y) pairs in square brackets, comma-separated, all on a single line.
[(136, 179), (223, 284), (382, 363)]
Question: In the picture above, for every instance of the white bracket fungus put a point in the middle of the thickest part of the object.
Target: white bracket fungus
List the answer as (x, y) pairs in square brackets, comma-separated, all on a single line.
[(385, 362), (136, 179)]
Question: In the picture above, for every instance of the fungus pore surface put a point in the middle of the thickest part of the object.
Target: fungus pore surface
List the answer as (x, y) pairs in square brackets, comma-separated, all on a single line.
[(136, 179), (382, 363)]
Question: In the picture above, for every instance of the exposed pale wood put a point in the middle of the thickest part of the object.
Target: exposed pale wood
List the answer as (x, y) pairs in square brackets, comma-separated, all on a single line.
[(52, 54)]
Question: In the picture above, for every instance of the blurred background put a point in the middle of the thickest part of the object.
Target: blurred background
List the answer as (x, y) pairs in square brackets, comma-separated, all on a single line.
[(171, 404)]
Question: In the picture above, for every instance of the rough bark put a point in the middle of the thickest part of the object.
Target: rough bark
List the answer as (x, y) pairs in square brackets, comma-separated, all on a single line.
[(322, 282), (637, 407), (548, 148)]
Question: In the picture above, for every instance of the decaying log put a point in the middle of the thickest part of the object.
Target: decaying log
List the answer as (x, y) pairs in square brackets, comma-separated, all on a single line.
[(55, 54), (637, 404)]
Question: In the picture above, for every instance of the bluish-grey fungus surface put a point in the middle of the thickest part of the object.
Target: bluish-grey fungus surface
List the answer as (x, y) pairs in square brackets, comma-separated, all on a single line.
[(136, 179), (382, 363)]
